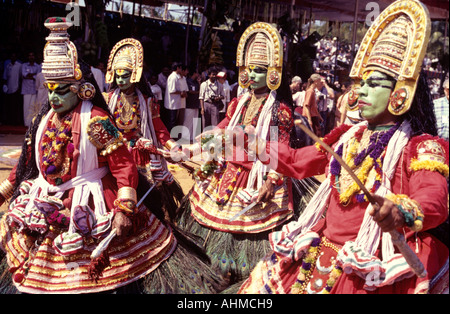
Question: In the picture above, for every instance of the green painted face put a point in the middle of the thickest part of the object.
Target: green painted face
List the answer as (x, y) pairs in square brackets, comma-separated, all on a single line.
[(374, 94), (258, 77), (123, 78), (61, 98)]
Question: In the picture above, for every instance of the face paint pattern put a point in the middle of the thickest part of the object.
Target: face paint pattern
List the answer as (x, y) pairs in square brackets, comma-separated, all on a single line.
[(61, 98), (123, 79), (258, 77), (374, 94)]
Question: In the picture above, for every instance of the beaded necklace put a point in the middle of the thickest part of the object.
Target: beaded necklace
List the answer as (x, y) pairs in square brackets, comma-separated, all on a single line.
[(57, 151), (127, 115), (254, 120), (369, 158)]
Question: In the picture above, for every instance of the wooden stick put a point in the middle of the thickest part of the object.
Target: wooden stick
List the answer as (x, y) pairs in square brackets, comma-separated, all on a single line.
[(397, 238)]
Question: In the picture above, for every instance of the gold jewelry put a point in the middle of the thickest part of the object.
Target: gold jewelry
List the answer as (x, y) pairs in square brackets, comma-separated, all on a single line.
[(6, 189), (126, 54), (396, 44), (170, 144), (253, 107), (127, 193), (260, 45)]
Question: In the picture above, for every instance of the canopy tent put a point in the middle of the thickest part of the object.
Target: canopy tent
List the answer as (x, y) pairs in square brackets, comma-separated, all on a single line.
[(332, 10)]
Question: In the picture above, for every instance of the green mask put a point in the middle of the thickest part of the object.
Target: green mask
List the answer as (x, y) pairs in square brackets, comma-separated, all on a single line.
[(123, 79), (374, 94), (258, 76), (61, 98)]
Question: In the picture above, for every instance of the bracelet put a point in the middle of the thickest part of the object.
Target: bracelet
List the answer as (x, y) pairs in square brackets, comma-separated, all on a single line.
[(170, 144), (123, 206), (127, 193), (274, 179), (6, 189), (411, 210)]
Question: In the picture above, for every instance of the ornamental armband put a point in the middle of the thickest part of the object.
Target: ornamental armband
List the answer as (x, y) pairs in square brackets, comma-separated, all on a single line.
[(411, 210), (126, 201), (6, 189), (430, 155), (104, 135)]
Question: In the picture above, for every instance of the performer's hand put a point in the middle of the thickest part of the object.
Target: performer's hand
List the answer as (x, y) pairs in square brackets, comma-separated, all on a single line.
[(266, 192), (174, 155), (122, 224), (386, 214)]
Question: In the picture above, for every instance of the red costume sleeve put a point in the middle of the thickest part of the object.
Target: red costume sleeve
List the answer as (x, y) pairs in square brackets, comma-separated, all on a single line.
[(123, 168), (286, 123), (120, 161), (426, 165), (161, 131), (303, 162)]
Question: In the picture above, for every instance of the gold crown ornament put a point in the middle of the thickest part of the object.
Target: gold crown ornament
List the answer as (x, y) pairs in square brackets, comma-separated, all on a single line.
[(60, 65), (260, 45), (395, 44), (127, 54), (60, 54)]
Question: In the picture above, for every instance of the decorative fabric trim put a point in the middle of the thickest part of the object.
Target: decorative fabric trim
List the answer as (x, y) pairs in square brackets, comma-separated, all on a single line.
[(260, 218), (430, 153), (376, 272), (104, 135), (430, 165), (49, 272)]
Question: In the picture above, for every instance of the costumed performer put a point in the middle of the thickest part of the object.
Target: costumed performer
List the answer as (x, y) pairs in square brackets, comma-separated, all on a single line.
[(395, 153), (136, 113), (231, 181), (75, 188)]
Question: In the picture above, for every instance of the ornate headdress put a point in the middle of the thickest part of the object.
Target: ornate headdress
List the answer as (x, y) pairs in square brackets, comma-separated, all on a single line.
[(60, 54), (60, 63), (127, 54), (260, 45), (395, 44)]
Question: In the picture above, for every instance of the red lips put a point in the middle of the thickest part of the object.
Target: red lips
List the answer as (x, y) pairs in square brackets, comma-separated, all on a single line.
[(362, 103)]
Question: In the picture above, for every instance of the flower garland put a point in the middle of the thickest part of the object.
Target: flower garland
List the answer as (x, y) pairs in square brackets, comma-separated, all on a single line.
[(54, 141), (309, 264), (369, 158), (132, 121)]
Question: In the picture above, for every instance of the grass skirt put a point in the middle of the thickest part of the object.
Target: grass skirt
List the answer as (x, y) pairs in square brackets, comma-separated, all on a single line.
[(234, 255)]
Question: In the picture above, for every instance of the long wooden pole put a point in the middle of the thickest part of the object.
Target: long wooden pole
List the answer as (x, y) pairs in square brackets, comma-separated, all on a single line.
[(397, 238)]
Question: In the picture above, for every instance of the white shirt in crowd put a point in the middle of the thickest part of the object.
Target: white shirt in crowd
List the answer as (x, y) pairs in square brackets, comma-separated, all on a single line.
[(299, 98), (162, 80), (12, 75), (174, 84), (157, 91), (29, 85), (208, 89)]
